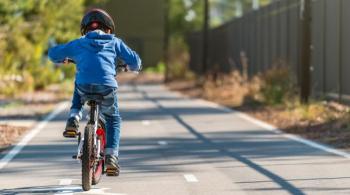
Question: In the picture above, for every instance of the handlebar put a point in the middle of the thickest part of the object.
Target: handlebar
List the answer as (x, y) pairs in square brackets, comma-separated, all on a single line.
[(67, 60), (125, 68), (120, 67), (70, 61)]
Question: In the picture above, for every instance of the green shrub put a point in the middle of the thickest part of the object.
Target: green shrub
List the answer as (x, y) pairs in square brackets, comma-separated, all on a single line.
[(178, 59), (45, 75), (11, 87), (68, 71), (277, 85), (160, 68)]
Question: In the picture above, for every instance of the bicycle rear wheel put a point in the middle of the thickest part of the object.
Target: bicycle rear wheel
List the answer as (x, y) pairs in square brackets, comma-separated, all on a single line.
[(88, 159), (99, 165)]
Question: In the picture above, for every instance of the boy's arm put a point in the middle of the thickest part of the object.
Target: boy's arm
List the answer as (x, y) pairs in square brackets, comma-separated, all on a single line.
[(59, 53), (130, 57)]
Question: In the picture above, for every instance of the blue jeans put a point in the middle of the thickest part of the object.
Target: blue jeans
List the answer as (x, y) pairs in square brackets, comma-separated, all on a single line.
[(109, 109)]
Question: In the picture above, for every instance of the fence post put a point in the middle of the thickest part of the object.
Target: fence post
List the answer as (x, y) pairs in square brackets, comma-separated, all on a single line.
[(205, 37), (324, 51), (166, 39), (306, 51), (340, 78)]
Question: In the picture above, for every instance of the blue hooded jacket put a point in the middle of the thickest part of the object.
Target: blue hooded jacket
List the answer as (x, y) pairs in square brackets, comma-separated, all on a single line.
[(96, 55)]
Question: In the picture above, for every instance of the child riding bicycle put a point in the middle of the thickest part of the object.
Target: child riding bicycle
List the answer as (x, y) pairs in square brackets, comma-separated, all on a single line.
[(96, 54)]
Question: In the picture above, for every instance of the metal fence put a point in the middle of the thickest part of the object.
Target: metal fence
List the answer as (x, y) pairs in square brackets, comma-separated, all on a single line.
[(273, 34)]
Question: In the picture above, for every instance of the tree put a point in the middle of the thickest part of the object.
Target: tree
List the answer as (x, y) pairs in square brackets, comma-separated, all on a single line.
[(26, 28)]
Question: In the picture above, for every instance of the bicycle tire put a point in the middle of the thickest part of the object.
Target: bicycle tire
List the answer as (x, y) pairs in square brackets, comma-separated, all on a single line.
[(98, 169), (87, 158)]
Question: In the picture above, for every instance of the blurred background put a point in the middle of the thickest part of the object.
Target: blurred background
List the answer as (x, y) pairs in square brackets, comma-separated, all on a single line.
[(188, 38)]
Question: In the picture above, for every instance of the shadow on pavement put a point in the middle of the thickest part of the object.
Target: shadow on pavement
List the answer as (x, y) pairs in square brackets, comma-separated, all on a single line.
[(145, 155), (42, 190), (289, 187)]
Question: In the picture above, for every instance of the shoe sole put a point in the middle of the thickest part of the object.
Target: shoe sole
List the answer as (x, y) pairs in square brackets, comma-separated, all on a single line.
[(68, 133), (112, 171)]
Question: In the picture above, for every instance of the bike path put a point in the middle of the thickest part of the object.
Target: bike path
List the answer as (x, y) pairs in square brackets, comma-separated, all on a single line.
[(175, 145)]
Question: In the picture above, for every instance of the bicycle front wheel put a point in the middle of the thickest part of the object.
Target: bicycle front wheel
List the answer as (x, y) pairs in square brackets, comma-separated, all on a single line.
[(87, 160)]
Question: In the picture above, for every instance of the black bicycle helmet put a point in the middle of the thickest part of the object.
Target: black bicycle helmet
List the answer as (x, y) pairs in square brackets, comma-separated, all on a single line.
[(96, 19)]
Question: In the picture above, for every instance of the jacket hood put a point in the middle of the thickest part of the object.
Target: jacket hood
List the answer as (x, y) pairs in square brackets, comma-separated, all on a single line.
[(96, 40)]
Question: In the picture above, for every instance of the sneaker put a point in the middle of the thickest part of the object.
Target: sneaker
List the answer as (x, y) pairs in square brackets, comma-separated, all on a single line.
[(72, 127), (112, 165)]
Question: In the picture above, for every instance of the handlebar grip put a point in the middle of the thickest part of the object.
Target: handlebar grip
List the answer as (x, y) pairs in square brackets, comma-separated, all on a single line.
[(71, 61), (123, 67)]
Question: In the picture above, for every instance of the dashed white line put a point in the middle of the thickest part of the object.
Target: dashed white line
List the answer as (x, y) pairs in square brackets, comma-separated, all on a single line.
[(65, 182), (162, 143), (100, 191), (146, 122), (67, 190), (12, 153), (190, 178)]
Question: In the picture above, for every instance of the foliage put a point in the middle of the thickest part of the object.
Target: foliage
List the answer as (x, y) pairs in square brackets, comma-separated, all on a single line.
[(26, 29), (68, 71), (231, 89), (160, 68), (277, 85), (178, 60), (179, 21), (273, 87), (186, 16)]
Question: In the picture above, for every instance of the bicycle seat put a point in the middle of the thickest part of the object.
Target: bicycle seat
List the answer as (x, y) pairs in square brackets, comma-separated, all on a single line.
[(92, 97)]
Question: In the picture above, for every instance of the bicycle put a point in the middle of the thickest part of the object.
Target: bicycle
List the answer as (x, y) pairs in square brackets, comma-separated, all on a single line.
[(92, 144)]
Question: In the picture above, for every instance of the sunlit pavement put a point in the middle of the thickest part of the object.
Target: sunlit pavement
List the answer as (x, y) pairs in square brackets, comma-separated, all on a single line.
[(175, 145)]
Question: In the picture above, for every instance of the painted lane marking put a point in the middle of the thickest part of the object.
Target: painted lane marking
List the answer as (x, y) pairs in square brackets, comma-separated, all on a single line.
[(70, 190), (65, 182), (190, 178), (162, 143), (67, 190), (146, 122), (100, 191), (14, 151), (269, 127)]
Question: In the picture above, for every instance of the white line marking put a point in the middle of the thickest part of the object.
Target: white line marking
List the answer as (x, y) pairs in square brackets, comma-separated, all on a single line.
[(12, 153), (162, 143), (190, 178), (276, 130), (65, 182), (100, 191), (68, 190), (146, 122)]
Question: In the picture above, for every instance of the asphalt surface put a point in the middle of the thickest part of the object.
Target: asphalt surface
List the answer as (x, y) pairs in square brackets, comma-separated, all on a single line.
[(175, 145)]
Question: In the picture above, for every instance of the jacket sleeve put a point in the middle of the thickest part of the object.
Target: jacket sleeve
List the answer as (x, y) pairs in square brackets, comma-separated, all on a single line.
[(129, 56), (59, 53)]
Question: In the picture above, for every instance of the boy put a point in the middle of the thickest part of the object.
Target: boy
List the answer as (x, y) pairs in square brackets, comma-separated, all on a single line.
[(95, 55)]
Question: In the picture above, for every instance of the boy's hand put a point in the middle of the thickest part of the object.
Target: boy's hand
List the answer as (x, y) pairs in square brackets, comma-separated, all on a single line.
[(122, 68), (68, 60), (126, 68)]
